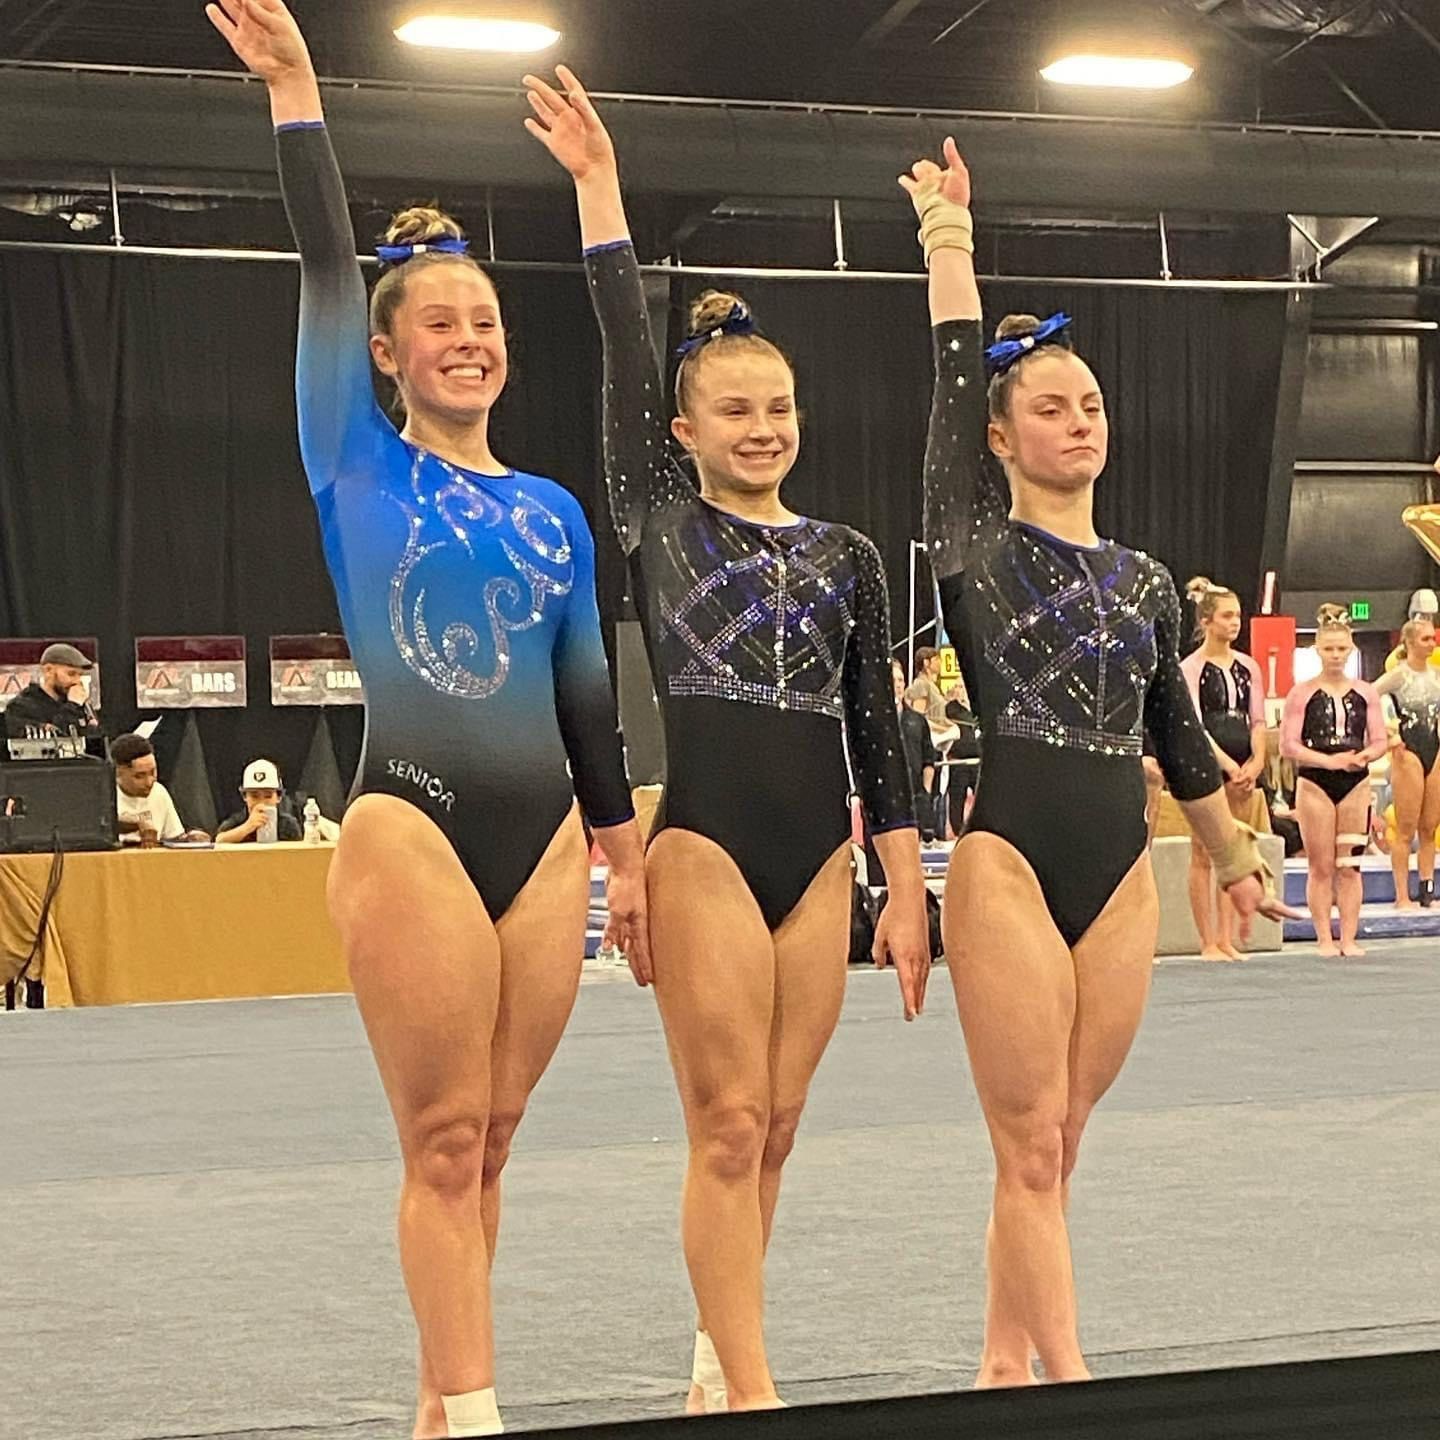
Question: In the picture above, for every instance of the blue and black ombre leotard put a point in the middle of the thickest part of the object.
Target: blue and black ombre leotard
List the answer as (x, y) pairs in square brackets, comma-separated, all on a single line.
[(468, 599), (1067, 652), (764, 640)]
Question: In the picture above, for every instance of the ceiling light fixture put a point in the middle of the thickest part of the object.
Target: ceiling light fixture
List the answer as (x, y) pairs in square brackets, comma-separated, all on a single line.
[(477, 32), (1118, 72)]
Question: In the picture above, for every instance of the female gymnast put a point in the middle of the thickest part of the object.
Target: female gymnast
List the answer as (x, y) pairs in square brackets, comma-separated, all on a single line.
[(1333, 729), (767, 633), (1068, 647), (1413, 689), (1229, 695), (461, 883)]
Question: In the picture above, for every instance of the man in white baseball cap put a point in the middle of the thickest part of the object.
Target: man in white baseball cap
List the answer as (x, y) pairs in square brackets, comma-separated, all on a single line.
[(262, 790)]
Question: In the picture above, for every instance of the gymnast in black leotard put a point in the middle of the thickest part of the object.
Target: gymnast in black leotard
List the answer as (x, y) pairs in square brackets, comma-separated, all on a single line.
[(1334, 729), (460, 886), (769, 640), (1413, 689), (1067, 643)]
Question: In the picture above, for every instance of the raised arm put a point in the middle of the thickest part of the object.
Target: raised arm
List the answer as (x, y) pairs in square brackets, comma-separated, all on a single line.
[(961, 500), (335, 399), (640, 471)]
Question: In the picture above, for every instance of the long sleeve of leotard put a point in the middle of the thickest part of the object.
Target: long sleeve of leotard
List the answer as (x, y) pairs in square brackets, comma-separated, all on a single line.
[(962, 501), (872, 729), (339, 418), (641, 474), (584, 699), (1181, 745)]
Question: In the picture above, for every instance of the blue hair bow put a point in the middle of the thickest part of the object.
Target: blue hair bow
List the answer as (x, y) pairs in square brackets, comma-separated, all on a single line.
[(737, 322), (1002, 355), (399, 254)]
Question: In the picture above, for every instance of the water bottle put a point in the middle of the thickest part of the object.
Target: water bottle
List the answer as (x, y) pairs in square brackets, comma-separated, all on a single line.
[(269, 827), (312, 822)]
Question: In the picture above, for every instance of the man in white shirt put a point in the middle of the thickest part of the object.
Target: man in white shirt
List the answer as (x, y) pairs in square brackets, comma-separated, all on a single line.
[(147, 813)]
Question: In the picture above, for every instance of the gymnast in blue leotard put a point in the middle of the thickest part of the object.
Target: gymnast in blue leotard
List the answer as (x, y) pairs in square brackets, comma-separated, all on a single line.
[(460, 886)]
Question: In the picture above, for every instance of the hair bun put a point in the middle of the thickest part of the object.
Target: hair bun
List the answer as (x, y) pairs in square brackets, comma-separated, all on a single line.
[(712, 308), (422, 225), (1330, 617), (1012, 327), (1199, 588)]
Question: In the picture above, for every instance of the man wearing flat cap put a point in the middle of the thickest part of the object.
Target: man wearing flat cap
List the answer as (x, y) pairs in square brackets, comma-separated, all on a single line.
[(57, 704)]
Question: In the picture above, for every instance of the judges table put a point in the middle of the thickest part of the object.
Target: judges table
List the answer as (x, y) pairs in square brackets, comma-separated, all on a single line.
[(142, 926)]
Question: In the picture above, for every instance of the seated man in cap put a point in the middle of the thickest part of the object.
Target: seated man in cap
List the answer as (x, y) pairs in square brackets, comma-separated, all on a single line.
[(147, 813), (262, 791), (58, 703)]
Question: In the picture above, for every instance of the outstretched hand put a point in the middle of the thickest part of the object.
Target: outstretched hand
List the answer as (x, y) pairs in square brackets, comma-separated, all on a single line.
[(568, 126), (953, 180), (264, 35), (1251, 898)]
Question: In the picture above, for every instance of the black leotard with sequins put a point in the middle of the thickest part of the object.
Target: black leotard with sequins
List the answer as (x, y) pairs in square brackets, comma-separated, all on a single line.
[(1069, 652), (763, 639)]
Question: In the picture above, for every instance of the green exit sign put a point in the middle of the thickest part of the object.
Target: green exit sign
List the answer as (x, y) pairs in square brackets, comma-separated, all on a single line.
[(1359, 609)]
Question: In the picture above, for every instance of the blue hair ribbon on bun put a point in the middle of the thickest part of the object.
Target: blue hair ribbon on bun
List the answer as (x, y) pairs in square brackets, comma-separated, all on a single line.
[(399, 254), (1005, 353), (737, 322)]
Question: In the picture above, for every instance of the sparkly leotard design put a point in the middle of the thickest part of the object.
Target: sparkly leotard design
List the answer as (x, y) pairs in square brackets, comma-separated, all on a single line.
[(1230, 700), (1415, 694), (770, 644), (468, 599), (1331, 725), (1068, 652)]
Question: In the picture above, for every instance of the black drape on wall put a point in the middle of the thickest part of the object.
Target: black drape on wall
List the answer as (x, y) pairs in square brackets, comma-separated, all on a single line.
[(150, 480)]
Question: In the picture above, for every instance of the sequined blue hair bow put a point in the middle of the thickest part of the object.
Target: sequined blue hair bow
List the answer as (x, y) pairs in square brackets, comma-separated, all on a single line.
[(1005, 353), (399, 254), (737, 322)]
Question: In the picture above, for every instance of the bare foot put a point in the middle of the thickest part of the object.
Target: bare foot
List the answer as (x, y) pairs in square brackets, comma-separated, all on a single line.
[(1405, 903), (1004, 1377), (1231, 953), (1214, 952), (1352, 951), (1329, 949)]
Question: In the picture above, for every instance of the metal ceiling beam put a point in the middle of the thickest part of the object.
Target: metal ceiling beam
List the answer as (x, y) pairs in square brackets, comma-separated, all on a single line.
[(63, 118)]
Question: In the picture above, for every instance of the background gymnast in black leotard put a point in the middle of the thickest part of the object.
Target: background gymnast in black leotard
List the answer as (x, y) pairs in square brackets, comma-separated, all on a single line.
[(1333, 730), (767, 633), (1068, 647), (461, 883), (1413, 689)]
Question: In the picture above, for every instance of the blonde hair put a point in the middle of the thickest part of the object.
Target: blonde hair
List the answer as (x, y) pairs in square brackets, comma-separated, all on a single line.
[(1412, 628), (708, 313), (1204, 594), (1010, 328), (415, 225), (1332, 617)]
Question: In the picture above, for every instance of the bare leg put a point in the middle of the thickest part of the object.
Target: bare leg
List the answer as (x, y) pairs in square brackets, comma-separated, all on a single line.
[(1241, 808), (1202, 902), (1429, 823), (715, 985), (1014, 984), (1113, 965), (1351, 818), (1407, 780), (405, 907), (1316, 814)]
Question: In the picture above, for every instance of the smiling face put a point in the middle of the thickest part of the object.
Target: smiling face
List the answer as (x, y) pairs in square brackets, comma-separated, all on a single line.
[(445, 346), (1054, 431), (740, 421)]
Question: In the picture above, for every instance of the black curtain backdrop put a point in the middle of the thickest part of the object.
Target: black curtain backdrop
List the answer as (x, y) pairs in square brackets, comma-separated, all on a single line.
[(150, 480)]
